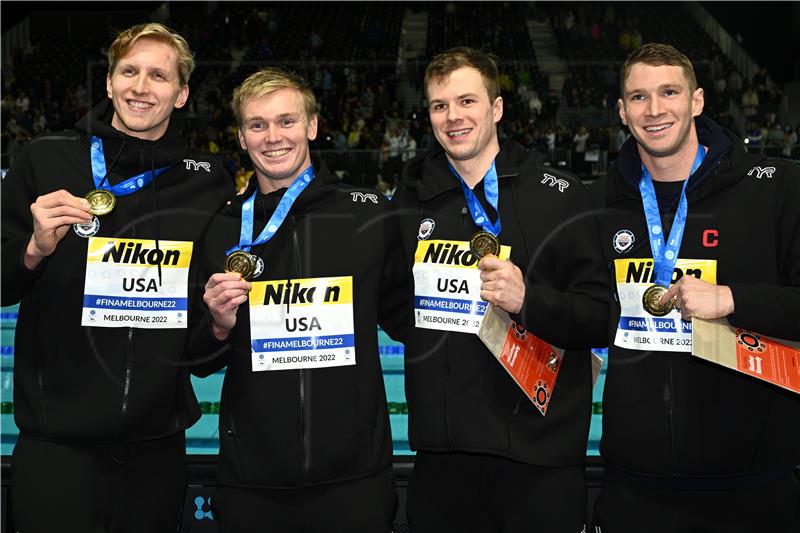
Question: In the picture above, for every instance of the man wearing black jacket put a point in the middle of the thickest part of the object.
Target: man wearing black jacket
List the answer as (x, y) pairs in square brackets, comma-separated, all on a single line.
[(690, 445), (487, 460), (102, 393), (309, 271)]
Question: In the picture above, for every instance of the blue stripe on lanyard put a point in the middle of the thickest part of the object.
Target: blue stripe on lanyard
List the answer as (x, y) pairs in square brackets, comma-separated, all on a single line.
[(665, 255), (477, 211), (274, 223), (124, 188)]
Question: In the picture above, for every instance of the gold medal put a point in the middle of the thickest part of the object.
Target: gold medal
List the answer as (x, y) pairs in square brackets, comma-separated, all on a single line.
[(484, 243), (101, 202), (651, 298), (241, 262)]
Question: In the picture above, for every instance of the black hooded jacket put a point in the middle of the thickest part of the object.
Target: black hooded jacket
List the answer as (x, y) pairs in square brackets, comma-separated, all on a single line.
[(460, 398), (301, 427), (670, 415), (100, 384)]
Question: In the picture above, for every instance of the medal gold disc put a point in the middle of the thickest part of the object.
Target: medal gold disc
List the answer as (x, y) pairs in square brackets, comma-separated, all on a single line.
[(101, 202), (241, 262), (651, 298), (484, 243)]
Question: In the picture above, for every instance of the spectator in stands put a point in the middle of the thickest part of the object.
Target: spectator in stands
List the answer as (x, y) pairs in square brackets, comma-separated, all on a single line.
[(108, 374), (535, 103), (789, 141), (775, 135), (682, 451), (625, 40), (487, 461), (636, 39), (750, 103), (579, 141), (305, 441), (734, 82), (754, 134), (23, 102), (759, 79)]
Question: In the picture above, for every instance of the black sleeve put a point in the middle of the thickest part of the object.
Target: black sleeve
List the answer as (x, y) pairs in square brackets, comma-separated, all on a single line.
[(19, 191), (774, 310), (206, 354), (395, 291), (566, 287)]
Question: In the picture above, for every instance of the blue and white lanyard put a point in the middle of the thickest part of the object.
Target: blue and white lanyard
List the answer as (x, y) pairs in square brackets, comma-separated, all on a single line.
[(124, 188), (274, 223), (477, 211), (665, 255)]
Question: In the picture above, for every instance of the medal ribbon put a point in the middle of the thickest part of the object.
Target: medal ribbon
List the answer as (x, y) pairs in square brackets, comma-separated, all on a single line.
[(277, 218), (490, 187), (665, 255), (124, 188)]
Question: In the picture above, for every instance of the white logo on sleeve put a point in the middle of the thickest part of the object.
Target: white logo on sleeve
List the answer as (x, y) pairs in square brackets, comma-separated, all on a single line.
[(191, 164), (761, 172), (553, 181), (364, 196)]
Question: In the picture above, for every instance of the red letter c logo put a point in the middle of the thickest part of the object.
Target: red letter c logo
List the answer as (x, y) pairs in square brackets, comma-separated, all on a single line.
[(711, 238)]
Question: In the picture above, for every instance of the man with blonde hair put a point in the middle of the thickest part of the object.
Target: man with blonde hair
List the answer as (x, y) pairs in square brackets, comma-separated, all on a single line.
[(99, 227), (691, 226), (301, 269)]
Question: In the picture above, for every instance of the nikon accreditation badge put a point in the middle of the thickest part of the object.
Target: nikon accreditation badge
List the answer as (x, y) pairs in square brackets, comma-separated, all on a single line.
[(123, 286), (639, 328), (447, 286), (305, 323)]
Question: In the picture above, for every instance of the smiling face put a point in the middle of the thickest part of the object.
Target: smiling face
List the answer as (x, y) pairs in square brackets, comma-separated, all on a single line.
[(463, 118), (275, 132), (144, 89), (659, 107)]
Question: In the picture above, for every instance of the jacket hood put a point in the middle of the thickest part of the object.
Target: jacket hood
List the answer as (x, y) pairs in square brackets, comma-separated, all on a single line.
[(716, 172), (313, 197), (130, 154), (429, 174)]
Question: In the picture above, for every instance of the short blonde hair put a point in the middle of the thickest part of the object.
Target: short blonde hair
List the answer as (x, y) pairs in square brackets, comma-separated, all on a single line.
[(157, 32), (266, 81), (656, 55)]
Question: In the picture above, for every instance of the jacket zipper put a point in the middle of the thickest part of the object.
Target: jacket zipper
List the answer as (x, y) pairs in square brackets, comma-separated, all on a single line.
[(305, 441), (464, 213), (671, 419), (671, 390), (129, 353), (128, 364)]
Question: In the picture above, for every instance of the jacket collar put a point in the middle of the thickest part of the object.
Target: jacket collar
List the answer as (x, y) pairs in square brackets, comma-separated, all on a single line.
[(131, 154), (719, 168), (430, 175), (312, 199)]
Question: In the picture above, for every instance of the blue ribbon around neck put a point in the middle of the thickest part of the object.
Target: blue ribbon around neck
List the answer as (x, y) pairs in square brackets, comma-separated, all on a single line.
[(476, 210), (665, 255), (274, 223), (100, 176)]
